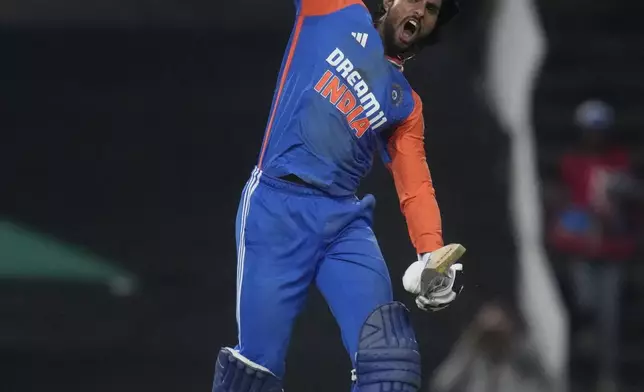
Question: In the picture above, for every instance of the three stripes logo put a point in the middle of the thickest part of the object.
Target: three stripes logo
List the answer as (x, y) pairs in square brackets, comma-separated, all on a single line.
[(361, 38)]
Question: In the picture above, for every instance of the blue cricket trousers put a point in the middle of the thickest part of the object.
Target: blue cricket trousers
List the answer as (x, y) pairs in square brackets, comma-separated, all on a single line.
[(289, 237)]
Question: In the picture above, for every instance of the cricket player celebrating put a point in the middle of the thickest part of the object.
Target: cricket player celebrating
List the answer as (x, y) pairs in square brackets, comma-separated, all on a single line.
[(341, 99)]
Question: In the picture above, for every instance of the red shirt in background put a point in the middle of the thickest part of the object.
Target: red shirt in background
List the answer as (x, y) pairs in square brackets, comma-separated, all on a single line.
[(582, 173), (587, 177)]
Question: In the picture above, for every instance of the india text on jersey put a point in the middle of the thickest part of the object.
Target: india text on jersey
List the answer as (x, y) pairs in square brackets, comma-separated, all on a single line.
[(330, 86)]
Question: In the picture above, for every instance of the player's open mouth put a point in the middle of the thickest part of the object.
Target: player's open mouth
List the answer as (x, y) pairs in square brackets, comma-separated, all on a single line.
[(409, 30)]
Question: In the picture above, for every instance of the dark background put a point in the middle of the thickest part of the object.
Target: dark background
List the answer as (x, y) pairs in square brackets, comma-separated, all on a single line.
[(129, 129), (596, 51)]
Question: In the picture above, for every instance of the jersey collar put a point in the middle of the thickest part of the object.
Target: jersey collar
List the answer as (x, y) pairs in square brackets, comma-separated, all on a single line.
[(397, 61)]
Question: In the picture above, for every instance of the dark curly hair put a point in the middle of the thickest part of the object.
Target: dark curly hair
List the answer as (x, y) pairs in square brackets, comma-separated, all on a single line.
[(449, 10)]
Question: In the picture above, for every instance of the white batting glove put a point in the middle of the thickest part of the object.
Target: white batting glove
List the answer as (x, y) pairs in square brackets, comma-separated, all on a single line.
[(432, 278)]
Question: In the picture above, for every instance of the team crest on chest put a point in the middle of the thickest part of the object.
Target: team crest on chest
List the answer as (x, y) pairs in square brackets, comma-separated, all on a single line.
[(396, 94)]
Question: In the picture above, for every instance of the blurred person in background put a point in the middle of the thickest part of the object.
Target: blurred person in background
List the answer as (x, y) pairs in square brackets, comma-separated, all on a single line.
[(493, 355), (594, 227)]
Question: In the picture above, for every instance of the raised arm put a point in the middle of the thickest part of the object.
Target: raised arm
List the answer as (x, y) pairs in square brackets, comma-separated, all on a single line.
[(322, 7), (413, 182)]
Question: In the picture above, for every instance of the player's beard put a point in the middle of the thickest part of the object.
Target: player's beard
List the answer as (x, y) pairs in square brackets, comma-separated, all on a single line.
[(390, 41), (393, 47)]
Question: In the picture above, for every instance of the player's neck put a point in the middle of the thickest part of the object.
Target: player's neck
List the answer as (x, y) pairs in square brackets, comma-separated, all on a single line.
[(394, 58)]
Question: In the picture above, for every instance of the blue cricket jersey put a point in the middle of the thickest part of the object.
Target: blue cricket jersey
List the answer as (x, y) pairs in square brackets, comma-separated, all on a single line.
[(340, 101)]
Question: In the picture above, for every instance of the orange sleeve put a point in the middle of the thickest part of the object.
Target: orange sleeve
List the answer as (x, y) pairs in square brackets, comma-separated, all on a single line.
[(323, 7), (413, 181)]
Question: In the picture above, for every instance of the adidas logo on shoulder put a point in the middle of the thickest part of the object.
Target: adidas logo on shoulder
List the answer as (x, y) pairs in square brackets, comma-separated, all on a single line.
[(361, 38)]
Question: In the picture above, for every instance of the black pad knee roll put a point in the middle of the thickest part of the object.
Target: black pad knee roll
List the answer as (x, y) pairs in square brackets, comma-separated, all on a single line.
[(234, 373), (388, 357)]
